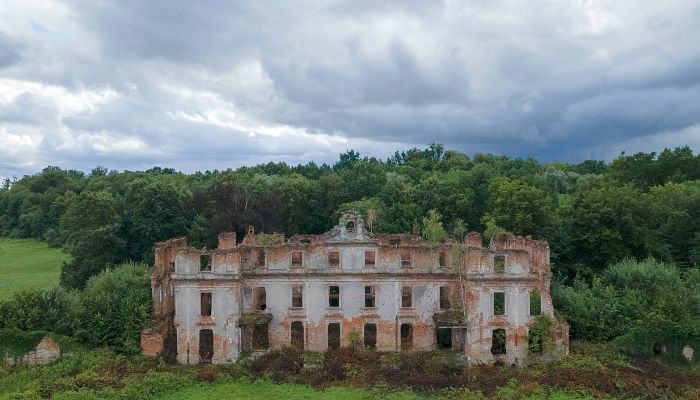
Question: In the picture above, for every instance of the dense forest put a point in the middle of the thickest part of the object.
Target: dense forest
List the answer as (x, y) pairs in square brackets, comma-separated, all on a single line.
[(624, 235)]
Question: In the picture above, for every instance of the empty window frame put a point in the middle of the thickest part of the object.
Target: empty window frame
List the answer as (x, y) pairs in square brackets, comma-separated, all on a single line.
[(206, 346), (406, 336), (334, 296), (370, 335), (205, 263), (535, 303), (297, 258), (444, 338), (442, 261), (370, 296), (334, 335), (334, 259), (499, 264), (259, 299), (535, 344), (499, 303), (298, 296), (261, 337), (297, 340), (205, 304), (350, 227), (370, 258), (407, 296), (444, 297), (406, 258), (498, 342), (260, 258)]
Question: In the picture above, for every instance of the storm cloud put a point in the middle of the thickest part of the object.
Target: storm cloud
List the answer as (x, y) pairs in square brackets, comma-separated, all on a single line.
[(203, 85)]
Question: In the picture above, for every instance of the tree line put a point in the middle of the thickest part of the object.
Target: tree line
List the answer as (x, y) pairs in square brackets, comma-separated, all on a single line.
[(624, 235)]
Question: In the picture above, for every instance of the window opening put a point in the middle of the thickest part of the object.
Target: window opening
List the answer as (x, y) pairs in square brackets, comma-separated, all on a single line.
[(499, 303), (334, 335), (406, 336), (407, 296), (369, 296), (444, 338), (334, 259), (350, 227), (499, 264), (260, 259), (535, 303), (206, 346), (444, 297), (405, 258), (370, 335), (296, 258), (498, 342), (443, 259), (297, 335), (261, 339), (369, 258), (259, 299), (334, 296), (205, 304), (204, 263), (298, 296)]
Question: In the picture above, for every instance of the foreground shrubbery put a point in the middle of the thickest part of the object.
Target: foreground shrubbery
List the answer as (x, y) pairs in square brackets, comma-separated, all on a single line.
[(593, 371), (645, 307), (112, 310)]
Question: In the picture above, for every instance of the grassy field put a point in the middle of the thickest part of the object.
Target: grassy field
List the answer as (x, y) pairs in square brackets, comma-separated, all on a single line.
[(28, 263)]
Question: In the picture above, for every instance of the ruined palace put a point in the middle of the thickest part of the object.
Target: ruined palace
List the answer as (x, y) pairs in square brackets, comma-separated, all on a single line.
[(351, 287)]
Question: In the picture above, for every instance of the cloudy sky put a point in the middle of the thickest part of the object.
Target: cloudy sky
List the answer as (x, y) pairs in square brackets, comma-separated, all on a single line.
[(198, 85)]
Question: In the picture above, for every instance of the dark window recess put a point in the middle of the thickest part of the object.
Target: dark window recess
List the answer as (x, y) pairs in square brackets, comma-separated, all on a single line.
[(369, 296), (444, 338), (260, 259), (535, 344), (334, 259), (499, 303), (369, 258), (443, 259), (205, 304), (405, 258), (298, 335), (499, 264), (204, 262), (498, 342), (334, 296), (535, 303), (350, 227), (259, 299), (444, 297), (370, 335), (206, 346), (172, 265), (296, 258), (333, 335), (298, 296), (407, 296), (406, 336), (261, 339)]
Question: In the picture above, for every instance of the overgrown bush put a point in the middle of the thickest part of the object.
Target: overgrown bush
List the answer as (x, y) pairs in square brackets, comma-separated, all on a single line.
[(116, 308), (55, 310)]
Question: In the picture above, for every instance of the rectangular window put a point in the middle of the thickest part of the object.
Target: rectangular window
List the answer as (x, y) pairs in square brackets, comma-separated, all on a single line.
[(369, 296), (535, 303), (259, 298), (334, 259), (260, 259), (261, 337), (298, 296), (443, 259), (297, 335), (369, 258), (406, 336), (444, 338), (296, 258), (205, 304), (498, 342), (204, 263), (370, 335), (499, 303), (405, 258), (333, 335), (407, 296), (499, 264), (334, 296), (444, 297)]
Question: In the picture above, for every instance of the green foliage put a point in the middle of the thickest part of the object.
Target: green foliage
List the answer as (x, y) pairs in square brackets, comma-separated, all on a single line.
[(539, 334), (55, 310), (519, 207), (432, 229), (116, 307)]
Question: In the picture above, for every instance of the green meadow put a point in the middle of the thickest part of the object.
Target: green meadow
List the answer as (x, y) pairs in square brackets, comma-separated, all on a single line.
[(28, 263)]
